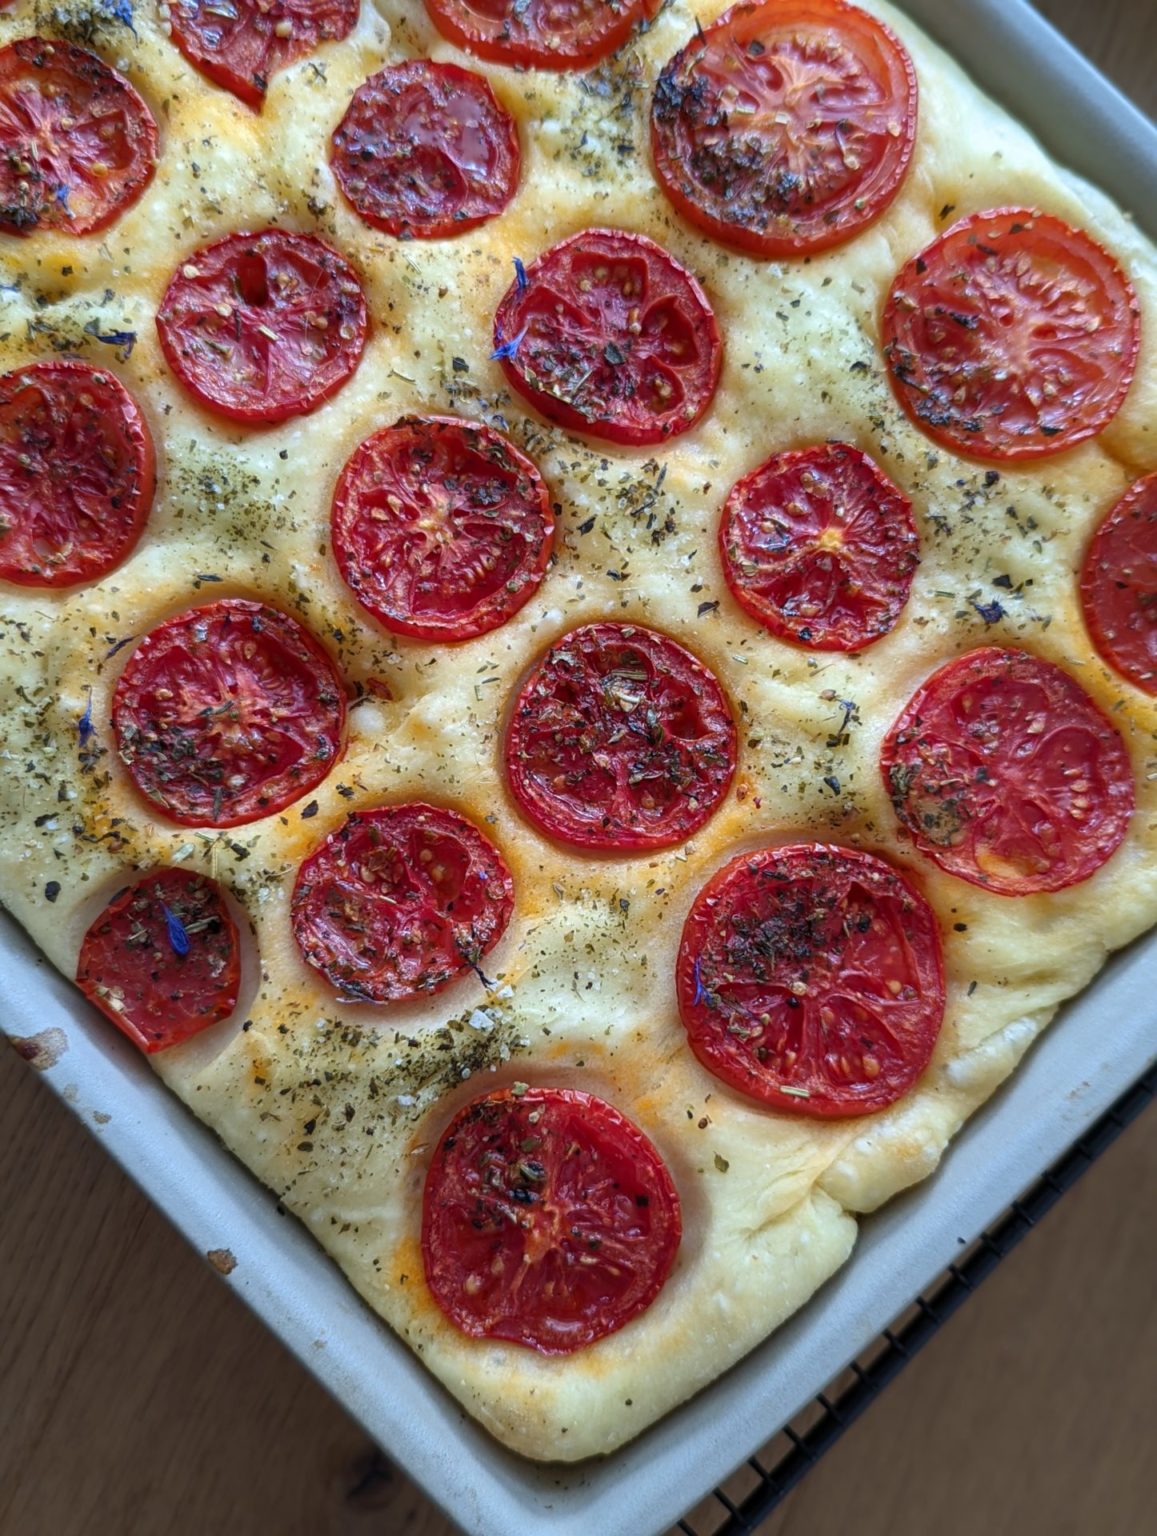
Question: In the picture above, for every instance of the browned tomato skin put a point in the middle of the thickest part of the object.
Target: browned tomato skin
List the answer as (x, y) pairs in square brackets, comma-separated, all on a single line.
[(79, 181), (549, 1220), (436, 899), (228, 713), (77, 474), (234, 313), (474, 503), (605, 330), (811, 979), (131, 968), (406, 152), (1007, 775), (963, 315), (820, 547), (1119, 586), (595, 761), (244, 50), (748, 190), (513, 31)]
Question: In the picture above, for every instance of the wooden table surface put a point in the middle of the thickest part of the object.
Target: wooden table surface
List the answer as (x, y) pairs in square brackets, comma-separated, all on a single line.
[(138, 1397)]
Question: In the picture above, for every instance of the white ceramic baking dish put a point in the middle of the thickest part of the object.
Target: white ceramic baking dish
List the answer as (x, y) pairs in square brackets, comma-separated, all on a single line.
[(1086, 1059)]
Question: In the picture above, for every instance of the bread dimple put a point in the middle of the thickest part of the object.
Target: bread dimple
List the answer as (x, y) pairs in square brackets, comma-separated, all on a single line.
[(583, 991)]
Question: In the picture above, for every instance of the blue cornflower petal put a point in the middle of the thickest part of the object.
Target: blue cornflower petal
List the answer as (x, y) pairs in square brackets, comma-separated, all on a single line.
[(699, 989), (124, 339), (178, 934), (991, 613), (122, 11), (508, 348)]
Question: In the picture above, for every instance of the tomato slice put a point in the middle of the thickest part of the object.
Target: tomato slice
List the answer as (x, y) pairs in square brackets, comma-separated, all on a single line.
[(441, 528), (548, 1219), (77, 474), (1011, 336), (263, 327), (1006, 774), (401, 901), (163, 960), (425, 151), (607, 334), (241, 44), (811, 978), (540, 34), (77, 144), (786, 127), (227, 713), (619, 740), (820, 547), (1119, 586)]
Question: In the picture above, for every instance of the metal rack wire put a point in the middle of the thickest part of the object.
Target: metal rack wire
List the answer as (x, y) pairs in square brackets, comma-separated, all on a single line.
[(765, 1480)]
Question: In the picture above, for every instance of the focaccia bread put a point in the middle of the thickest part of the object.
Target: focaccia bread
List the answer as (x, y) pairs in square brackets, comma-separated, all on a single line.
[(337, 1103)]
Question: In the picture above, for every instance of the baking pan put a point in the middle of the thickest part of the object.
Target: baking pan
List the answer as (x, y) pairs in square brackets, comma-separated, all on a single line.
[(1090, 1055), (762, 1482)]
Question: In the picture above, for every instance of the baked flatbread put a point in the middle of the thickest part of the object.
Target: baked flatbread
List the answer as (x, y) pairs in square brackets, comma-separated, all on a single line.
[(337, 1105)]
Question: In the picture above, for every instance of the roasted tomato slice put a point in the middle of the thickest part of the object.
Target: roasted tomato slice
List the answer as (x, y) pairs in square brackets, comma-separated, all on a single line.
[(819, 546), (163, 959), (549, 1219), (811, 978), (1006, 774), (77, 474), (619, 740), (77, 144), (785, 127), (1119, 586), (263, 327), (425, 151), (607, 334), (227, 713), (1011, 336), (401, 901), (241, 44), (540, 34), (441, 528)]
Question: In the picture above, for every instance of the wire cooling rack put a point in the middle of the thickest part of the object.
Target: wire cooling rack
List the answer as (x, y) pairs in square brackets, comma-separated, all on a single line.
[(740, 1505)]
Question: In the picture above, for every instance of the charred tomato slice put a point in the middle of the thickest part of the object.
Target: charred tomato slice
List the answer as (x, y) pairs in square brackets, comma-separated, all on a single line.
[(810, 978), (401, 901), (548, 1219), (263, 327), (228, 713), (820, 548), (78, 146), (1119, 586), (540, 34), (241, 44), (424, 151), (441, 528), (1005, 773), (619, 740), (785, 127), (163, 960), (1011, 336), (607, 334), (77, 473)]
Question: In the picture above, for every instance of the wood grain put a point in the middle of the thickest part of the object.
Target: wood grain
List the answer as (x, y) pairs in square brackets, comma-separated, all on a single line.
[(139, 1398)]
